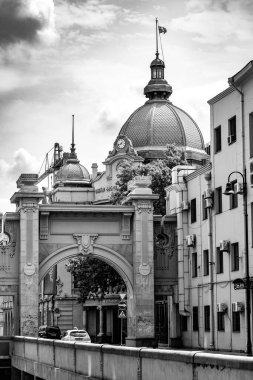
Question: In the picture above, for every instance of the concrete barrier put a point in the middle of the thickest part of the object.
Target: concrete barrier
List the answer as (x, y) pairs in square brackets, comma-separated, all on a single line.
[(57, 360)]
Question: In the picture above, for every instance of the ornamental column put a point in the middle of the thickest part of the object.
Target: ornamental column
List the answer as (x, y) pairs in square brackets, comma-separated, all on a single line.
[(27, 202), (141, 319)]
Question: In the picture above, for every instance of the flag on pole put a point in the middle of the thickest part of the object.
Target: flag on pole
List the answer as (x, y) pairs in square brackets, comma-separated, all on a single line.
[(162, 29)]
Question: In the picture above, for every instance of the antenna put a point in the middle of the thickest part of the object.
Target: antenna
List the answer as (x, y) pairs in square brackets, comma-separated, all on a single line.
[(156, 32), (73, 140)]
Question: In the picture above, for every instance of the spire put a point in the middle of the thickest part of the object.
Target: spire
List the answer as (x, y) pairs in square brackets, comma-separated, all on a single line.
[(72, 149), (157, 88)]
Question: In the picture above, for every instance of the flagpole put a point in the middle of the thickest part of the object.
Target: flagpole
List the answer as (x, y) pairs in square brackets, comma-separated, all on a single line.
[(157, 54)]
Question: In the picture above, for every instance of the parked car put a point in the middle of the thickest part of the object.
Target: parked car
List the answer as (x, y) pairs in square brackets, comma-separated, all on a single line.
[(49, 332), (76, 335)]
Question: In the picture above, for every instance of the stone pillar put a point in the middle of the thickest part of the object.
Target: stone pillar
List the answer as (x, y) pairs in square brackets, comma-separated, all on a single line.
[(100, 335), (27, 200), (141, 320)]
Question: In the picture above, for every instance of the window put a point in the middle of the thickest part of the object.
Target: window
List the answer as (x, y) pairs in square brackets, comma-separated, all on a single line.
[(184, 320), (193, 211), (218, 200), (206, 262), (236, 321), (204, 209), (235, 256), (219, 260), (194, 264), (251, 134), (195, 318), (217, 139), (157, 72), (233, 197), (221, 321), (207, 317), (232, 130)]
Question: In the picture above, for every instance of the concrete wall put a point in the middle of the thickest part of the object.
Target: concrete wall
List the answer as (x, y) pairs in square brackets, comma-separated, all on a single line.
[(56, 360)]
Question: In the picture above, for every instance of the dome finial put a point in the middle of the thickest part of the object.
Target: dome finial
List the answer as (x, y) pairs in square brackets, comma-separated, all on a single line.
[(158, 88), (72, 149)]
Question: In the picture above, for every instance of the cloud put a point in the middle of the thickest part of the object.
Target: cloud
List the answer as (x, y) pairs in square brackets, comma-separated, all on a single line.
[(217, 22), (26, 21), (23, 162), (90, 14)]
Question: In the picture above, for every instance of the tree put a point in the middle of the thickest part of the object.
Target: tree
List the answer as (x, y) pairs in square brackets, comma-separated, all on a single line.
[(93, 276), (159, 170)]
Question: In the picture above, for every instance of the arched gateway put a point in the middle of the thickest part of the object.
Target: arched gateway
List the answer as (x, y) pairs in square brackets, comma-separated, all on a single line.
[(120, 235)]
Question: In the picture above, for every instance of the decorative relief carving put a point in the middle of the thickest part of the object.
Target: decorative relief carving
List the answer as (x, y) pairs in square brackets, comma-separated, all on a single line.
[(59, 285), (29, 271), (85, 243), (144, 207), (30, 207), (145, 327), (165, 246), (144, 269), (29, 325)]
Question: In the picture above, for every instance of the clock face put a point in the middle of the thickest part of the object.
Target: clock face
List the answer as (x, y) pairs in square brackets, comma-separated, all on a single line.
[(121, 143)]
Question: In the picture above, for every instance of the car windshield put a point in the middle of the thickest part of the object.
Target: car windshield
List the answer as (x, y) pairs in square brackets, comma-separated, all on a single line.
[(78, 333)]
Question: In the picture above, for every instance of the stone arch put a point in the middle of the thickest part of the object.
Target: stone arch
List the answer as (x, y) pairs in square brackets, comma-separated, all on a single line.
[(111, 257)]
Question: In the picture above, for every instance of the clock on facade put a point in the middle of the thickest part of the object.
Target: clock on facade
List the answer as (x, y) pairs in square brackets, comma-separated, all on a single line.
[(121, 143)]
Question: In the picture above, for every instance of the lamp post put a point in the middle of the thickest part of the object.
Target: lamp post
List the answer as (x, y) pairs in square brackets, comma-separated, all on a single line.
[(230, 191)]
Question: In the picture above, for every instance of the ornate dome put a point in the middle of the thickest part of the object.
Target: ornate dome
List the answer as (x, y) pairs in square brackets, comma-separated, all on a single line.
[(159, 122), (72, 172)]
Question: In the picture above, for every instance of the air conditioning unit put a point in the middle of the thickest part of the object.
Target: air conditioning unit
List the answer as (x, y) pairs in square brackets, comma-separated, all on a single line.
[(190, 240), (185, 205), (208, 193), (225, 245), (238, 188), (237, 307), (221, 307), (231, 139), (208, 203)]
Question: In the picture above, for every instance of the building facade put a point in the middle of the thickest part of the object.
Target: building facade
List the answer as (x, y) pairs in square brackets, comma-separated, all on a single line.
[(215, 229)]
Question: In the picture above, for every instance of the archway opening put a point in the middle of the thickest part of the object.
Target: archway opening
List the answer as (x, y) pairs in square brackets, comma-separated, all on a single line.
[(84, 292)]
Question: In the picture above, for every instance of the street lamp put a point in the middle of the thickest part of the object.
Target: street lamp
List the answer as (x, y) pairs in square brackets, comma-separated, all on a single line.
[(230, 191)]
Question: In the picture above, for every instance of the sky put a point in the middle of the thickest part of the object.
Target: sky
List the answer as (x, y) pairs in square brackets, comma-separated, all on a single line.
[(91, 58)]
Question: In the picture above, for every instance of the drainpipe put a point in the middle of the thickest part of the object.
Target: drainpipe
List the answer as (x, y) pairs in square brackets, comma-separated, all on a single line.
[(209, 204)]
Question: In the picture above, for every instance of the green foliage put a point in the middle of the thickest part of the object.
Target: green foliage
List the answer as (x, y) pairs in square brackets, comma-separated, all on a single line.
[(159, 170), (93, 275)]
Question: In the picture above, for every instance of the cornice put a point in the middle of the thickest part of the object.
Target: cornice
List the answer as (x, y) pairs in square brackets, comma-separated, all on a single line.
[(70, 207)]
